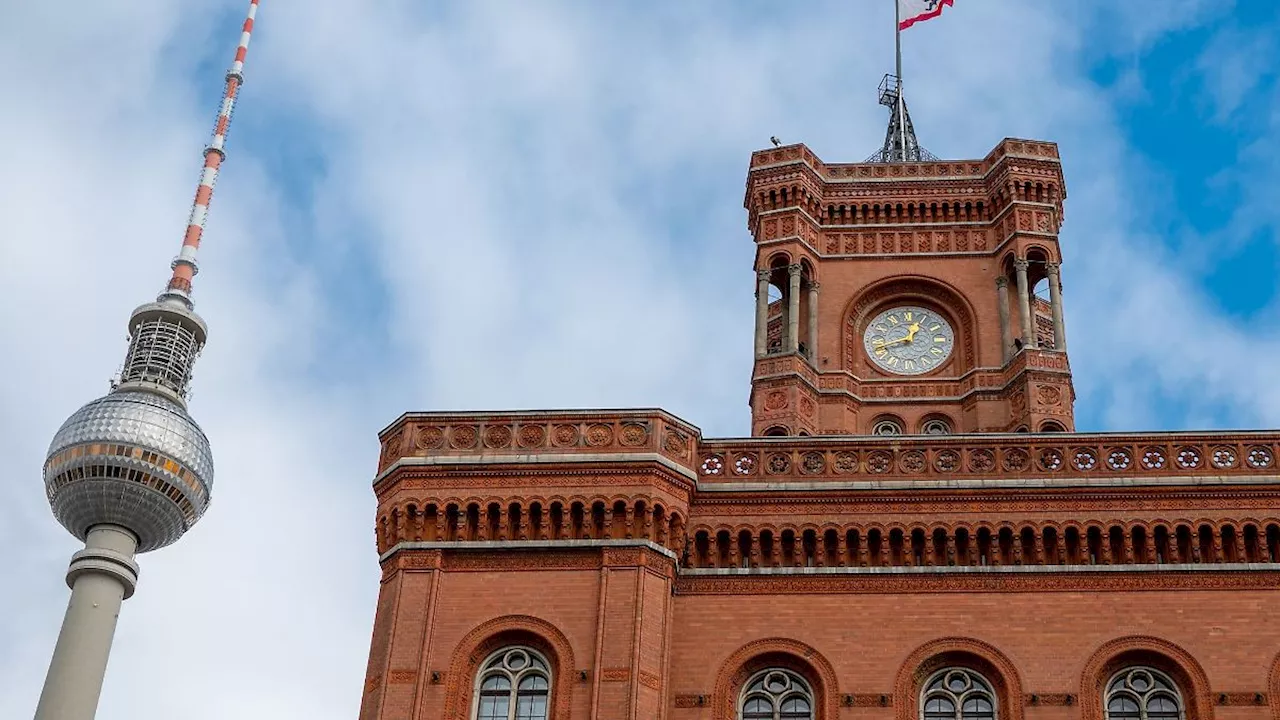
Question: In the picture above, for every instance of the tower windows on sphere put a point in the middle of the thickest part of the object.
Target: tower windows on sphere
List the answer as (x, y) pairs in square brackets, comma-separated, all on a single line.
[(776, 694), (513, 684), (957, 694), (1142, 693)]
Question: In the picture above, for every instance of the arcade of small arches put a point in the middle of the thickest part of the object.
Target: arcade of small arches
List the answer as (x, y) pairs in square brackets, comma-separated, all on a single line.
[(515, 683), (932, 424), (778, 326), (933, 211), (1028, 271), (531, 519), (1047, 544)]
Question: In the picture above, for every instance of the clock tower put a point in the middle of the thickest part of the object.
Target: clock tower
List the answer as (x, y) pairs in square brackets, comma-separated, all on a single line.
[(909, 295)]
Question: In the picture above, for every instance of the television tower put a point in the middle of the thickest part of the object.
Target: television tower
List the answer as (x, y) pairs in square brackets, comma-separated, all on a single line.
[(131, 472)]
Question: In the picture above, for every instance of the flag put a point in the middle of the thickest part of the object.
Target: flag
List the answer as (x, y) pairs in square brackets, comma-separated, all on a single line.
[(911, 12)]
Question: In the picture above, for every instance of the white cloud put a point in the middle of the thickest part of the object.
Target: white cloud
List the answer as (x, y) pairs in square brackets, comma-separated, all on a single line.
[(549, 197)]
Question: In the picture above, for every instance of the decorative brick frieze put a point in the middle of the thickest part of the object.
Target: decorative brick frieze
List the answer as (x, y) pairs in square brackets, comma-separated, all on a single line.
[(1041, 455), (903, 583)]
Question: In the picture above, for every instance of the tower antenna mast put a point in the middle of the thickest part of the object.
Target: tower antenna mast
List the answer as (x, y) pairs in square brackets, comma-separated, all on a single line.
[(184, 266), (132, 471)]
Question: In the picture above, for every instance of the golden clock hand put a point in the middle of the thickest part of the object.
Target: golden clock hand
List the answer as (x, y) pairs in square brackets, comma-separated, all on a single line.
[(895, 342)]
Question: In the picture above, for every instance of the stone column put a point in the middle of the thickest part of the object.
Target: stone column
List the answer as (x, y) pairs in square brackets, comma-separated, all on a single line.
[(1006, 332), (1024, 304), (101, 577), (762, 313), (813, 322), (1055, 302), (793, 308)]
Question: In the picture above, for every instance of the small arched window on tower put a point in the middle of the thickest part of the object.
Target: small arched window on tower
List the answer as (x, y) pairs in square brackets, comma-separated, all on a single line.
[(513, 684), (957, 694), (887, 425), (935, 426), (776, 694), (1142, 693)]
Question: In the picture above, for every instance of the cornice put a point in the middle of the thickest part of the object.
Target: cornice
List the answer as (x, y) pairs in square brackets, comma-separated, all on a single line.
[(525, 460), (917, 570), (915, 487), (900, 581), (523, 546)]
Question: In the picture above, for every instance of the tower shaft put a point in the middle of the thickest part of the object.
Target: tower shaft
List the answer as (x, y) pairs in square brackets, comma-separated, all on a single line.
[(132, 471), (101, 576)]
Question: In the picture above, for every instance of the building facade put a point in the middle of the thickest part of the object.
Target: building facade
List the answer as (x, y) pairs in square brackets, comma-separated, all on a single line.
[(913, 531)]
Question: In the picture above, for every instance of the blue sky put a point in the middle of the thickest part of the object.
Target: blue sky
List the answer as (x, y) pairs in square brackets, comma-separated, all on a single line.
[(499, 204)]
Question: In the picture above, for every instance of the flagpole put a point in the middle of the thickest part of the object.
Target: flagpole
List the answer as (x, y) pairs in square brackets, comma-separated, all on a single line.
[(902, 114)]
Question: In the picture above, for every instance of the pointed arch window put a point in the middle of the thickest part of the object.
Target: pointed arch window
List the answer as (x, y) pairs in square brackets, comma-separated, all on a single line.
[(957, 694), (1142, 693), (513, 684), (776, 694)]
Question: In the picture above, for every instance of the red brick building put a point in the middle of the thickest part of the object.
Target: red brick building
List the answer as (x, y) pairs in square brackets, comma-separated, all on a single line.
[(913, 531)]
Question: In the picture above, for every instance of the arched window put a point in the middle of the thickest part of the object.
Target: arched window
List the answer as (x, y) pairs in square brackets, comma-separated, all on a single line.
[(887, 426), (776, 695), (1141, 693), (513, 684), (935, 426), (957, 694)]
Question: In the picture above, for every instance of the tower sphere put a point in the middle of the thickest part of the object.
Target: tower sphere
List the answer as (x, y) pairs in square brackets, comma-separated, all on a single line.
[(132, 458)]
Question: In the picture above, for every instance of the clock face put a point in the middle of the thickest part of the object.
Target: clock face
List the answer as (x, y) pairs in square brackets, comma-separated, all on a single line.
[(909, 340)]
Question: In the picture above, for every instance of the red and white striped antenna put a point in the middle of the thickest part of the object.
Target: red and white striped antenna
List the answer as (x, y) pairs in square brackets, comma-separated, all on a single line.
[(184, 266)]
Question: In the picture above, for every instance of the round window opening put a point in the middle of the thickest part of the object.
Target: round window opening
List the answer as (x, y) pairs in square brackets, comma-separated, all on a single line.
[(887, 426), (936, 427)]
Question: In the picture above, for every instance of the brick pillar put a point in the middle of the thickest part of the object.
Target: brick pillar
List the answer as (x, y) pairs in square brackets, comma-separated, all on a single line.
[(1024, 304), (1055, 301), (793, 308), (401, 634), (1006, 332), (762, 312), (813, 322), (629, 679)]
